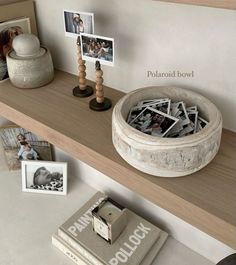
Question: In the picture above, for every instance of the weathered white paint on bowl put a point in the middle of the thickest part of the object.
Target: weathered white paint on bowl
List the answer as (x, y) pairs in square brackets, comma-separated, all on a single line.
[(166, 157)]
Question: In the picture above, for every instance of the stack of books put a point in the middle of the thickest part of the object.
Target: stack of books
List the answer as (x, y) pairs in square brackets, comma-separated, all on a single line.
[(139, 243)]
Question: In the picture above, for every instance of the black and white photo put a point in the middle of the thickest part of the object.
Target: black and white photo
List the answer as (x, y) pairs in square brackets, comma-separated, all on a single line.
[(193, 117), (77, 22), (44, 177), (154, 122), (178, 110), (201, 123), (162, 105), (97, 48)]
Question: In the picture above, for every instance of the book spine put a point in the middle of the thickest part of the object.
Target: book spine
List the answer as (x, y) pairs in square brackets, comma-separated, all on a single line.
[(84, 252), (77, 259)]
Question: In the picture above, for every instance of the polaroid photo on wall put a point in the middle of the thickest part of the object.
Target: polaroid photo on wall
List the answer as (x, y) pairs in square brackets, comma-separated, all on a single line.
[(77, 22), (44, 177), (97, 48), (8, 31), (154, 122)]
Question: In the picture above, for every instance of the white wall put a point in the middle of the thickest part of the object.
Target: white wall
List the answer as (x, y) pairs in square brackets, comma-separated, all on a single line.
[(152, 35)]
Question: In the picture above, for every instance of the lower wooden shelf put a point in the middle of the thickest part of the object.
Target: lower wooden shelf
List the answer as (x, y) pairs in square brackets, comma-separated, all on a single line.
[(206, 199)]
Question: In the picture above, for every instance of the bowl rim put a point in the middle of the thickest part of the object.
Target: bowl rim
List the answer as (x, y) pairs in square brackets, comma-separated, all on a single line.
[(133, 134)]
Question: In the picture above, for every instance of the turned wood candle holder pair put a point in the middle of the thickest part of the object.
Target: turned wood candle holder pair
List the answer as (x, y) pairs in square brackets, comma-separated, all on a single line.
[(99, 103)]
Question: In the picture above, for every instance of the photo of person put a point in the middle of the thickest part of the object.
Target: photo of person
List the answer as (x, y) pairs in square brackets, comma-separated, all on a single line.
[(26, 151), (97, 48), (8, 31), (44, 177), (154, 122), (20, 144), (76, 22)]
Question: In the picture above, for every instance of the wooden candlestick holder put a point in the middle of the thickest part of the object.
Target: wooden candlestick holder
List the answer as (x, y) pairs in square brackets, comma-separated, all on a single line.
[(83, 90), (100, 103)]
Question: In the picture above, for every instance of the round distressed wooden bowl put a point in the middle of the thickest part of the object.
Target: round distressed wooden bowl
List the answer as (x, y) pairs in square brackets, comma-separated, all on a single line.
[(166, 157)]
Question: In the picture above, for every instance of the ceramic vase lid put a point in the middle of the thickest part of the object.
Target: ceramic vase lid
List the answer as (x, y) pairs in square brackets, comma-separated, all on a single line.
[(26, 46)]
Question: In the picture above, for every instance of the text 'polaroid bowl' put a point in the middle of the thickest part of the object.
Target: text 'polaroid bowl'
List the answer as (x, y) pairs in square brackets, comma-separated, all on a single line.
[(166, 157)]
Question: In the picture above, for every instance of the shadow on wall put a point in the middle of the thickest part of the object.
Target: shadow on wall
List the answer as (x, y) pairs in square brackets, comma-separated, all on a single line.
[(4, 122)]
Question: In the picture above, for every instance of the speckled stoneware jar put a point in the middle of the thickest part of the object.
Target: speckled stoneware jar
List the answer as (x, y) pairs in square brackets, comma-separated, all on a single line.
[(29, 65), (166, 157)]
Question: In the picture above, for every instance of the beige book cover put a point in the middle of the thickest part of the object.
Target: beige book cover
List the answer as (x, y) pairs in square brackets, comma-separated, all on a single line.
[(130, 248), (78, 258)]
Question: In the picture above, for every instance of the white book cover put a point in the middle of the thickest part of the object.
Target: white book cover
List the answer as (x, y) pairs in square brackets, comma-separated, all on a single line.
[(130, 248), (66, 249)]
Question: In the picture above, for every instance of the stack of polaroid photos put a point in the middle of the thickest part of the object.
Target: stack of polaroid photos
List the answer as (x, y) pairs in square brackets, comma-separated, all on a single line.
[(164, 118)]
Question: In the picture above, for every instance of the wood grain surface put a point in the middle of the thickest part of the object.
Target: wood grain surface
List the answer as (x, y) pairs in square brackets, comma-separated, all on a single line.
[(206, 199), (228, 4)]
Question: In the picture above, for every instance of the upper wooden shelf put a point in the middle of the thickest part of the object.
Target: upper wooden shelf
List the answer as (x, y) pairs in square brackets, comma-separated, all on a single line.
[(206, 199), (228, 4)]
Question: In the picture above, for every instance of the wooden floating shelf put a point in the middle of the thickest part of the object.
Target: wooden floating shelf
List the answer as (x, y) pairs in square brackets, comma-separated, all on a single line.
[(228, 4), (206, 199)]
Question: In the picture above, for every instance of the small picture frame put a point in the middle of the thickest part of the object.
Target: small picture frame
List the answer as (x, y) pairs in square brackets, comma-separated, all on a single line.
[(21, 144), (8, 31), (44, 177), (97, 48), (77, 22)]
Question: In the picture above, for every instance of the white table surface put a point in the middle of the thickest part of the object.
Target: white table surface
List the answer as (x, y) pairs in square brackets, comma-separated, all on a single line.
[(27, 221)]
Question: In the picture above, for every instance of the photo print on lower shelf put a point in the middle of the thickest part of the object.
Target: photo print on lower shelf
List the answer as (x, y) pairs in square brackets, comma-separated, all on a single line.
[(20, 144), (44, 177)]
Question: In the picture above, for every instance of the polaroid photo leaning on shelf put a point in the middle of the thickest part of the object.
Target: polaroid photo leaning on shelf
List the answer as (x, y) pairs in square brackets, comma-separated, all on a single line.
[(8, 31)]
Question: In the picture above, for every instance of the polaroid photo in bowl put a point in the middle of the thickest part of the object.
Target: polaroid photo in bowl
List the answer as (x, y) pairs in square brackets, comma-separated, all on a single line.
[(150, 101), (163, 106), (201, 123), (193, 116), (44, 177), (97, 48), (178, 110), (154, 122), (20, 144), (191, 108)]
